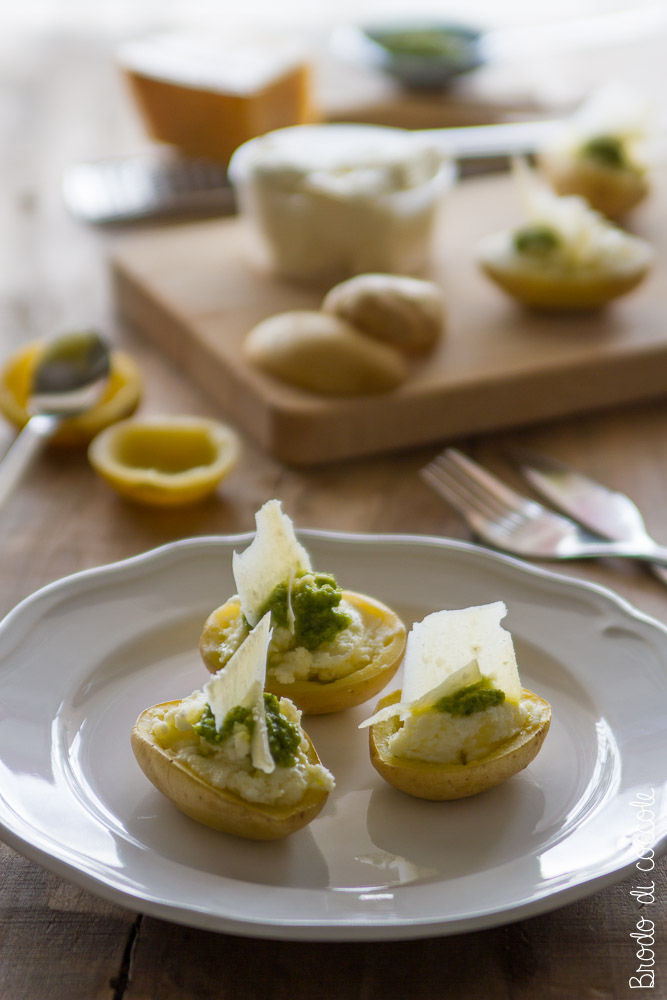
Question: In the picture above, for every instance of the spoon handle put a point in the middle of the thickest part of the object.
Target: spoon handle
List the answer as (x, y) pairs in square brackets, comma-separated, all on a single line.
[(24, 450)]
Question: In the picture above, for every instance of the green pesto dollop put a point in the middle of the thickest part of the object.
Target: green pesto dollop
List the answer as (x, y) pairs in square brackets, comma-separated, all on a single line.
[(284, 736), (470, 699), (446, 44), (206, 727), (607, 150), (314, 599), (536, 241)]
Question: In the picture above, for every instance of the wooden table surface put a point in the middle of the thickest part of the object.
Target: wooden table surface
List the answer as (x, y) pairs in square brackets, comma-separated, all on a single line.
[(61, 101)]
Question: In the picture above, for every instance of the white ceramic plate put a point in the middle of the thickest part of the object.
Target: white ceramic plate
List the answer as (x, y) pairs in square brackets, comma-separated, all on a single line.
[(81, 658)]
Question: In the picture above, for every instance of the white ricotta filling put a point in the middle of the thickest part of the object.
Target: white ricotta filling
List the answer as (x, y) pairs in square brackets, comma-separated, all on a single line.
[(588, 244), (588, 241), (352, 649), (441, 738), (228, 766), (446, 652)]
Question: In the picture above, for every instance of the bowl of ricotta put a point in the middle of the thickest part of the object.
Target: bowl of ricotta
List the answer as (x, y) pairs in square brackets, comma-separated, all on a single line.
[(328, 201)]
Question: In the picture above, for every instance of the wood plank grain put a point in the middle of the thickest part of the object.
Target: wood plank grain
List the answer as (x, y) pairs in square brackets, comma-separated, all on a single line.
[(583, 950), (196, 290), (53, 933)]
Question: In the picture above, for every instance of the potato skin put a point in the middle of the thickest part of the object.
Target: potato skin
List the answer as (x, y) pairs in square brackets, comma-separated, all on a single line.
[(323, 354), (612, 191), (315, 697), (408, 313), (214, 807), (562, 293), (441, 782)]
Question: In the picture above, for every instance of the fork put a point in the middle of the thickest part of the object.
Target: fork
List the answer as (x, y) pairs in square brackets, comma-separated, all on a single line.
[(513, 522)]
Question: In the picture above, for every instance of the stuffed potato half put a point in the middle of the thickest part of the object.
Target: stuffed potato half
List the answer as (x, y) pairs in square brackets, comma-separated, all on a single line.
[(312, 695), (438, 782), (555, 285), (218, 808)]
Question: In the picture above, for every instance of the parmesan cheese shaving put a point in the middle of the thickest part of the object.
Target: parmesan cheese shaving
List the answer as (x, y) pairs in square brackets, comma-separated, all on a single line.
[(449, 650), (588, 240), (273, 557), (241, 682)]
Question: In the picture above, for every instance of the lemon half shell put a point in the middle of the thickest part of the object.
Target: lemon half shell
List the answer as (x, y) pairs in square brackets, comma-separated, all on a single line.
[(120, 398), (165, 461)]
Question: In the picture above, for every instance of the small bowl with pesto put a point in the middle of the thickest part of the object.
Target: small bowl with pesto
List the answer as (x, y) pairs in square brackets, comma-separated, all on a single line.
[(330, 648), (419, 53)]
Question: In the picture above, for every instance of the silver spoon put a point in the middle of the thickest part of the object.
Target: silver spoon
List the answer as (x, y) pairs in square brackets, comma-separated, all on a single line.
[(69, 379)]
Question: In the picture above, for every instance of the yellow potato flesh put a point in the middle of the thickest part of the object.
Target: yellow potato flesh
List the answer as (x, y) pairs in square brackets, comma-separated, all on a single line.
[(215, 807), (315, 697), (438, 782)]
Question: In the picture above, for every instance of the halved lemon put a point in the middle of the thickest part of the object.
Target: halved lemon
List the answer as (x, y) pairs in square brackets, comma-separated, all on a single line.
[(315, 697), (215, 807), (165, 461), (437, 782), (120, 399)]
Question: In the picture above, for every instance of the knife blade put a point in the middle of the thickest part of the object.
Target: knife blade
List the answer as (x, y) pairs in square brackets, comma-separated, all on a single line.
[(594, 506)]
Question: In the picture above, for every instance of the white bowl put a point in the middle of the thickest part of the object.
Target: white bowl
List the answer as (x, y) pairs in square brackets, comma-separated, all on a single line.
[(333, 200)]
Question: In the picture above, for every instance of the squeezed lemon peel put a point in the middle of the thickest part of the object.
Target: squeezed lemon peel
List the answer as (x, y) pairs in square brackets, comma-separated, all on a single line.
[(119, 400), (165, 461)]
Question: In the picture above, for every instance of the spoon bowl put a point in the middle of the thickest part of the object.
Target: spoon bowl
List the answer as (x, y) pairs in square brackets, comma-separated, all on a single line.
[(70, 378), (70, 375)]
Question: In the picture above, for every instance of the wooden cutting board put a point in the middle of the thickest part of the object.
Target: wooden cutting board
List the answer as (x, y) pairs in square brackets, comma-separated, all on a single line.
[(194, 290)]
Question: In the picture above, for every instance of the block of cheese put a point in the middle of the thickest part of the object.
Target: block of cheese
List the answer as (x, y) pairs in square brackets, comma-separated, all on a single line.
[(206, 96)]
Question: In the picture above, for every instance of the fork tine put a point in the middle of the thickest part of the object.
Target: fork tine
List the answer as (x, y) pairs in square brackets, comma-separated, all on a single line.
[(508, 497), (476, 488), (515, 523), (461, 491)]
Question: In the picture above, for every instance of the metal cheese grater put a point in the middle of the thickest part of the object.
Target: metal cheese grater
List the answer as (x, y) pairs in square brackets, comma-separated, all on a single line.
[(122, 189)]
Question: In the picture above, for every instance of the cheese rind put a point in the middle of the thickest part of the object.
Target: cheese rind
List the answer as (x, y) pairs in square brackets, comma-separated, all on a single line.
[(208, 96), (273, 557)]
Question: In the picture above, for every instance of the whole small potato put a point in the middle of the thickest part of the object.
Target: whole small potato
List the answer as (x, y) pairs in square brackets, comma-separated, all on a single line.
[(407, 313), (323, 353)]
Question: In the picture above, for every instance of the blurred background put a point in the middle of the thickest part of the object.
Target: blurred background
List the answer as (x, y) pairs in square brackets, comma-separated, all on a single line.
[(542, 56), (543, 60)]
